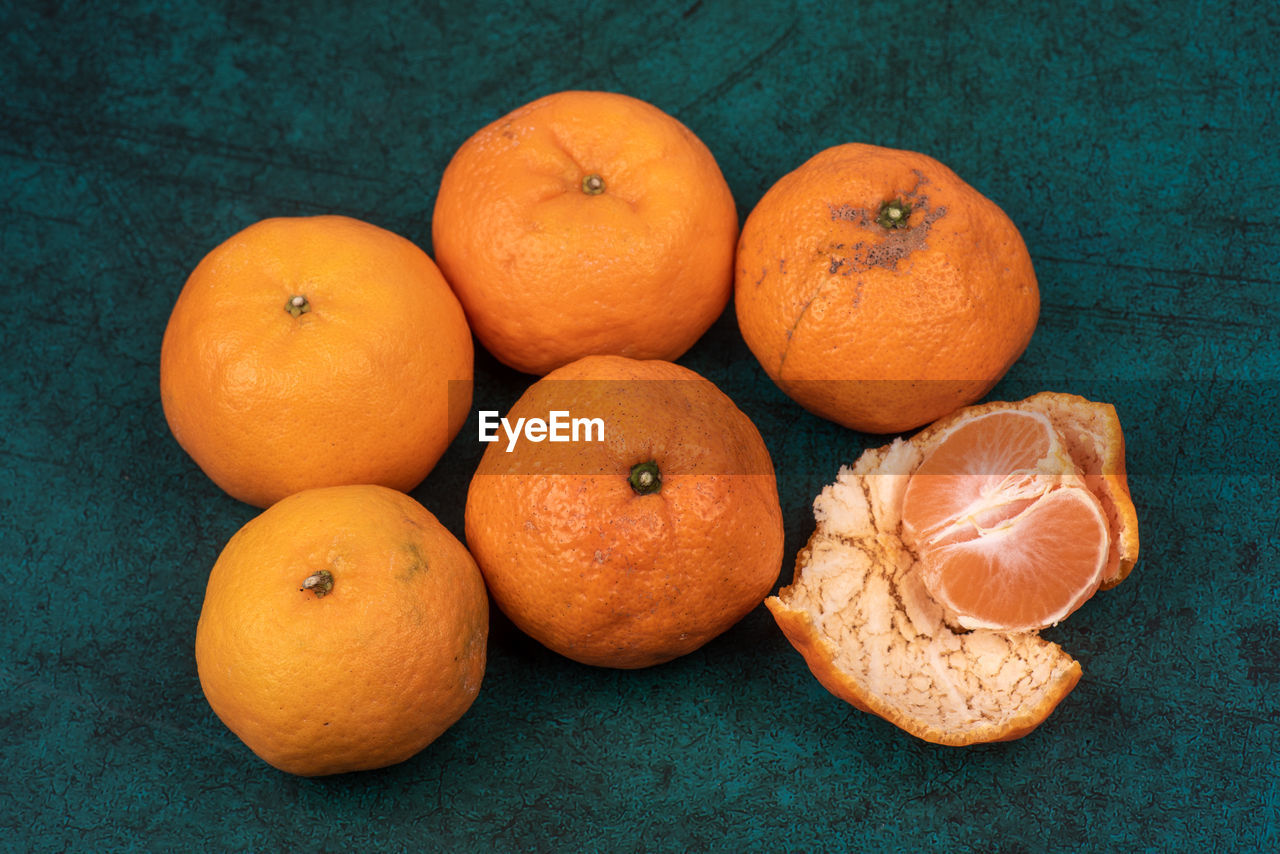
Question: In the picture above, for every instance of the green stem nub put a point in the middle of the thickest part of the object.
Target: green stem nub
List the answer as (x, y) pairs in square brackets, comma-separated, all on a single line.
[(319, 583), (593, 185), (894, 214), (645, 478), (297, 305)]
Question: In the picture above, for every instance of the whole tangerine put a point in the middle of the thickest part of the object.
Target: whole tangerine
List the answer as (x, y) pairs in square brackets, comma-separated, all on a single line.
[(343, 629), (586, 223), (641, 544), (881, 291), (315, 351)]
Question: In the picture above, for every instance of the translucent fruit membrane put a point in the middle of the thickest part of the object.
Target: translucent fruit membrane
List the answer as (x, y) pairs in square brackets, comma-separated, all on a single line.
[(1007, 534)]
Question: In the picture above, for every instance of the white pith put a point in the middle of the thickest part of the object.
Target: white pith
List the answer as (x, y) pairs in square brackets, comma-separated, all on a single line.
[(1011, 489), (891, 646)]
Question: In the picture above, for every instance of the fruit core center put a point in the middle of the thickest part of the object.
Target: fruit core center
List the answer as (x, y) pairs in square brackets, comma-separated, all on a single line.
[(297, 305), (593, 185), (997, 507), (645, 478)]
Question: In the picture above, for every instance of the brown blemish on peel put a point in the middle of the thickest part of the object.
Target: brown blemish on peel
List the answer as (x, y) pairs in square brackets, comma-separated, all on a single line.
[(869, 245), (881, 246), (885, 250), (415, 562)]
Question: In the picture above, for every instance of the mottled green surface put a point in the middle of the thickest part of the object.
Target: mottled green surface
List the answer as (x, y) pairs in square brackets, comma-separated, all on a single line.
[(1133, 144)]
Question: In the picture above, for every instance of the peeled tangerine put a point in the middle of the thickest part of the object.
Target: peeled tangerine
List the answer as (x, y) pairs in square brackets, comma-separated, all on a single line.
[(937, 559)]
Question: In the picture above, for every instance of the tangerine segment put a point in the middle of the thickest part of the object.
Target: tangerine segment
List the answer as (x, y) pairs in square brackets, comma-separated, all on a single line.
[(985, 470), (1028, 572), (1007, 532)]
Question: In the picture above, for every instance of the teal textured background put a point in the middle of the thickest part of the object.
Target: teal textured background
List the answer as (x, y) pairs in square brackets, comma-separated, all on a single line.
[(1133, 145)]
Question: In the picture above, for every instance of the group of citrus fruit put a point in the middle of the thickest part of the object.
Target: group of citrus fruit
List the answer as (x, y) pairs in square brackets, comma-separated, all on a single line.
[(319, 367)]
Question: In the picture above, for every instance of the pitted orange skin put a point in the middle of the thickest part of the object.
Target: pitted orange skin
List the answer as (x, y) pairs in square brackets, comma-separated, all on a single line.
[(882, 329), (366, 381), (586, 223), (586, 565)]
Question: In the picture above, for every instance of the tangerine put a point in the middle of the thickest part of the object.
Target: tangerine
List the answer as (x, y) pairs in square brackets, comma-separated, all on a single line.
[(343, 629), (880, 291), (642, 544), (586, 223), (936, 559), (315, 351), (1009, 535)]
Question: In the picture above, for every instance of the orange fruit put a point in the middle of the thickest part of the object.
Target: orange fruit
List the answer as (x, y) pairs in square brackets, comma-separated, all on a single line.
[(880, 291), (343, 629), (642, 544), (936, 559), (586, 223), (315, 351)]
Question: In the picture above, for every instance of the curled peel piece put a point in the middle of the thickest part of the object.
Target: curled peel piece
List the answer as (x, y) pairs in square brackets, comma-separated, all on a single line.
[(860, 613)]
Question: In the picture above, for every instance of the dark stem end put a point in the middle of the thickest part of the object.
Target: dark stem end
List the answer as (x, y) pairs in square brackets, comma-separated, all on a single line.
[(319, 583), (645, 478), (894, 214), (297, 305)]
